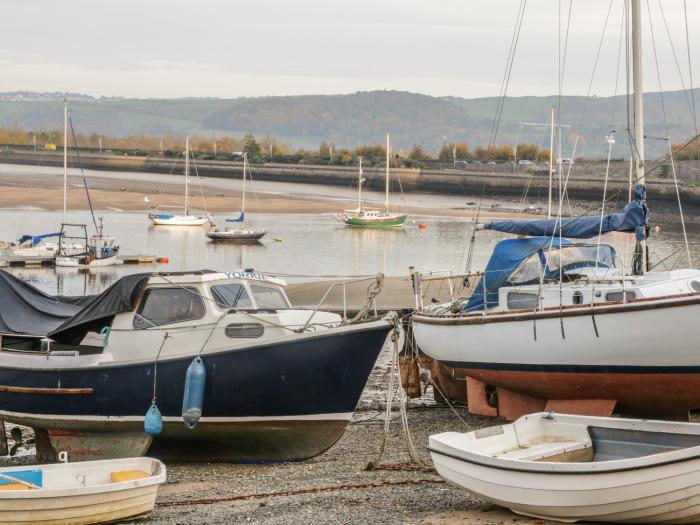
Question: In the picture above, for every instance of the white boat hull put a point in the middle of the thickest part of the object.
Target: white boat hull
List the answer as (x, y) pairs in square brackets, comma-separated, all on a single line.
[(65, 500), (179, 220), (74, 262)]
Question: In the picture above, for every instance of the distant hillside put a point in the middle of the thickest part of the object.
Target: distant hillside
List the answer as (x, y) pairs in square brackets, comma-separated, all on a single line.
[(358, 118)]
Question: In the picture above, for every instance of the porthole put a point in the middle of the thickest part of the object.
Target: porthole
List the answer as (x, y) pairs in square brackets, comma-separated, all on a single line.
[(695, 286)]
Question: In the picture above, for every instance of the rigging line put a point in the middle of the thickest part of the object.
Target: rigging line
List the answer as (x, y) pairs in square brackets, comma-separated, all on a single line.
[(506, 77), (690, 67), (630, 137), (680, 207), (617, 67), (675, 58), (658, 70), (595, 65), (255, 193), (199, 182), (82, 172), (562, 59)]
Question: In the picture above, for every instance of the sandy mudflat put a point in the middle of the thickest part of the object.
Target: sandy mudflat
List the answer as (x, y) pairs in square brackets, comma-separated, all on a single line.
[(109, 191)]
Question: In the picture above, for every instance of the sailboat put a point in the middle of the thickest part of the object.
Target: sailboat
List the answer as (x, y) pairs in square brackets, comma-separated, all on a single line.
[(371, 218), (77, 250), (554, 324), (164, 218), (238, 234)]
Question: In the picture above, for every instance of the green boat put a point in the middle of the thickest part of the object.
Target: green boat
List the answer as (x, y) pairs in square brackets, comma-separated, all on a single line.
[(374, 218)]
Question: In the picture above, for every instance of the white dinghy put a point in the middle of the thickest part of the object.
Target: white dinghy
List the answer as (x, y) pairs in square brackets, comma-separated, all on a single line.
[(579, 468), (83, 492)]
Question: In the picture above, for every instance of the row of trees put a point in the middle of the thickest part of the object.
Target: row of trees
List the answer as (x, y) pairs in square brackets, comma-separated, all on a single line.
[(268, 148)]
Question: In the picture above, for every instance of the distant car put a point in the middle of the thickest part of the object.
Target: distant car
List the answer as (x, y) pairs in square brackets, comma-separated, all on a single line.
[(525, 163), (476, 162), (491, 163), (461, 163), (565, 160)]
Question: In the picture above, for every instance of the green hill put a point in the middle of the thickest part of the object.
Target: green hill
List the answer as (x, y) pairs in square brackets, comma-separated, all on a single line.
[(358, 118)]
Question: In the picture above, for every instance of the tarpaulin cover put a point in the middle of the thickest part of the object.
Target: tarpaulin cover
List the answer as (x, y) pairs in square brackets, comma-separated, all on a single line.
[(506, 257), (633, 218), (36, 239), (240, 218), (27, 310), (100, 309)]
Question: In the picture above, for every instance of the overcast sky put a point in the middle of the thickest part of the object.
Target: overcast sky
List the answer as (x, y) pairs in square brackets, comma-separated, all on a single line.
[(229, 48)]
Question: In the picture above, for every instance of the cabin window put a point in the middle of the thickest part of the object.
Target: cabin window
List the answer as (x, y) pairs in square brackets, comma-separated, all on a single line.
[(233, 295), (268, 297), (245, 330), (617, 296), (522, 301), (162, 306)]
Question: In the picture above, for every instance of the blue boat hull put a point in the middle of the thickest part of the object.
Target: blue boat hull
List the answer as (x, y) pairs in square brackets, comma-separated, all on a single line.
[(284, 401)]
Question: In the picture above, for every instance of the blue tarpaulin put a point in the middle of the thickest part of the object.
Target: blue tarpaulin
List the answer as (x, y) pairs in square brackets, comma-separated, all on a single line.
[(36, 239), (633, 218), (506, 257), (239, 219)]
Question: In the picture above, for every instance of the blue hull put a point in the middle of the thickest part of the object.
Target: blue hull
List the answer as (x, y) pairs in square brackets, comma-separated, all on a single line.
[(277, 402)]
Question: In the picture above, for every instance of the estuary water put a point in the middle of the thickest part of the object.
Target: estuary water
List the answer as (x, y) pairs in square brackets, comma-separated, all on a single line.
[(301, 247)]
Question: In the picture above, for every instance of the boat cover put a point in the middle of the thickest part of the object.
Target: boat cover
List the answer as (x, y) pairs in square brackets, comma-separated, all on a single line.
[(27, 310), (633, 218), (36, 239), (240, 218), (506, 257)]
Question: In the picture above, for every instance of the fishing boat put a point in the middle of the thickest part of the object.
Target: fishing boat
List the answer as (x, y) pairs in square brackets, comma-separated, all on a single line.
[(555, 324), (82, 492), (371, 218), (579, 468), (99, 250), (162, 217), (238, 234), (281, 383)]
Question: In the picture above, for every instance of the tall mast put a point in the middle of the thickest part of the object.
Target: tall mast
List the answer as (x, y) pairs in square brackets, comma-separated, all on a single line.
[(245, 165), (638, 90), (359, 187), (187, 175), (65, 158), (551, 165), (386, 185)]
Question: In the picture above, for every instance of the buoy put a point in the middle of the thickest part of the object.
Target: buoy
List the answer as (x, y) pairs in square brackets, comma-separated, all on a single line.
[(153, 422), (422, 226), (193, 398), (163, 260)]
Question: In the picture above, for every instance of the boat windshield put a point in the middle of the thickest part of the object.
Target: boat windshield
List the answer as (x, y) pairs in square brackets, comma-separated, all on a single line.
[(269, 297), (233, 295), (568, 257)]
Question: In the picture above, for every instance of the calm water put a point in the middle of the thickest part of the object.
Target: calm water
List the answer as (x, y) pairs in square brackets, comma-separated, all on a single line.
[(311, 245)]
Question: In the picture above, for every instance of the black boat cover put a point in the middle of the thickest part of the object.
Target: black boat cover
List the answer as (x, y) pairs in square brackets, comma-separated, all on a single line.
[(27, 310)]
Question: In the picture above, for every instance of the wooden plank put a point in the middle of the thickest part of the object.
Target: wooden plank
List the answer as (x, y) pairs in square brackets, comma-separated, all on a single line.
[(51, 391)]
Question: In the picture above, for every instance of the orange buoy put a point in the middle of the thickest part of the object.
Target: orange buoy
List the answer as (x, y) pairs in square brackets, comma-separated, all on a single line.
[(163, 260), (422, 226)]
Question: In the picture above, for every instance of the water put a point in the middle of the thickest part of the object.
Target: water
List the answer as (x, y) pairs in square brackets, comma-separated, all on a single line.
[(311, 245)]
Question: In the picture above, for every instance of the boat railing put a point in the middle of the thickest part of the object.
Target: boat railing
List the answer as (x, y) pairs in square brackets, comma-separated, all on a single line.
[(452, 279)]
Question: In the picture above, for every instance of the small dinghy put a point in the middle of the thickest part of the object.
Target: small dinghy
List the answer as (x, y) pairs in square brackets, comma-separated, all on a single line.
[(83, 492), (578, 468), (236, 235)]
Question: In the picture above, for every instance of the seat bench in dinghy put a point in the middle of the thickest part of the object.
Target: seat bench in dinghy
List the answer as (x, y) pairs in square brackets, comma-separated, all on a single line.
[(579, 468)]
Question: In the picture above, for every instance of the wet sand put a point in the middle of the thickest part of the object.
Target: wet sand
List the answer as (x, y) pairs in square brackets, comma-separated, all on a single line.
[(42, 187)]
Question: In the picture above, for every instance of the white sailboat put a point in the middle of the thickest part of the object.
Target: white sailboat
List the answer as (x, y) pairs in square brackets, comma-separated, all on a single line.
[(166, 218), (553, 324), (239, 234)]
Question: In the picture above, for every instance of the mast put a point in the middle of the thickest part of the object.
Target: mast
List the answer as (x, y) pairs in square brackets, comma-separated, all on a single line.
[(551, 165), (359, 187), (386, 185), (245, 164), (638, 97), (65, 158), (187, 175)]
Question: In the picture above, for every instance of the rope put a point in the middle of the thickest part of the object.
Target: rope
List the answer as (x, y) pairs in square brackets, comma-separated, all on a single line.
[(373, 291), (80, 164), (297, 492)]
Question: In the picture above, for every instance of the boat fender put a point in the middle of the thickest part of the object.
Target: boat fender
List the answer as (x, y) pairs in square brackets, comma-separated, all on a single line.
[(193, 399), (106, 330), (153, 422)]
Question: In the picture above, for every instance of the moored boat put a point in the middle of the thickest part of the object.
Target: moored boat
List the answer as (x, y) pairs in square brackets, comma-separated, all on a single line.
[(83, 492), (281, 383), (579, 468)]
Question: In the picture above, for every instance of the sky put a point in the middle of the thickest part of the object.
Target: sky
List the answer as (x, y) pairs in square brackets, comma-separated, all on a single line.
[(232, 48)]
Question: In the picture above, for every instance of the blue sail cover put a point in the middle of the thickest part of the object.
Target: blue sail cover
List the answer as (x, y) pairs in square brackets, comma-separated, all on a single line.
[(36, 239), (633, 218), (506, 257), (241, 218)]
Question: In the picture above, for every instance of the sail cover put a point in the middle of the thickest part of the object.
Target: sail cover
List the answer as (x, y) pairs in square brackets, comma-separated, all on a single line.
[(27, 310), (36, 239), (633, 218), (506, 257)]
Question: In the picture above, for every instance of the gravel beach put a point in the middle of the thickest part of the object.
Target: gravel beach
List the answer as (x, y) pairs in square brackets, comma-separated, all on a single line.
[(335, 487)]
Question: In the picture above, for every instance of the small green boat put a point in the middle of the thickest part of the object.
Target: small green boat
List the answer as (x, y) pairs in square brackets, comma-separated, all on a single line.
[(374, 218)]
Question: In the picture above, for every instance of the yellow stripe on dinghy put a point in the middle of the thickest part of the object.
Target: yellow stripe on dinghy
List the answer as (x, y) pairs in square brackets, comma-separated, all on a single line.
[(129, 475), (14, 486)]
